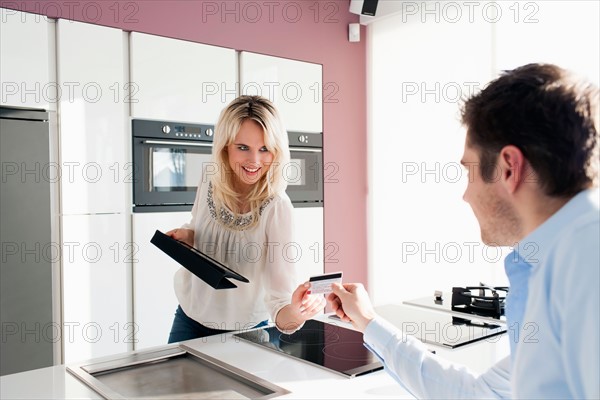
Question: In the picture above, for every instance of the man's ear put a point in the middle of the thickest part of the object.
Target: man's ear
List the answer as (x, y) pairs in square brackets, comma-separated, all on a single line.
[(512, 166)]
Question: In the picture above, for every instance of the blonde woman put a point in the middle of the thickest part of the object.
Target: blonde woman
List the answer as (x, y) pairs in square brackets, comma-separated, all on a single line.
[(243, 218)]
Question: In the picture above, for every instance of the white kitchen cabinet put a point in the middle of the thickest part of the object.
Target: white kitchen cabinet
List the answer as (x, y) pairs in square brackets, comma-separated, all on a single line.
[(296, 88), (94, 145), (308, 235), (25, 60), (178, 80), (154, 297), (96, 286)]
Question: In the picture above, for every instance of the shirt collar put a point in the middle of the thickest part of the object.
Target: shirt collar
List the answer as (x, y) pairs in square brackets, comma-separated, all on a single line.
[(534, 248)]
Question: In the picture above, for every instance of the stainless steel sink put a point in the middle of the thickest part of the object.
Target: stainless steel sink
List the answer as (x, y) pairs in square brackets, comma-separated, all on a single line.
[(171, 372)]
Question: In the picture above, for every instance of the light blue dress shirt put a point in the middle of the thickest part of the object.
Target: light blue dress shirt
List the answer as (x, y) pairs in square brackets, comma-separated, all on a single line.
[(518, 271), (553, 312)]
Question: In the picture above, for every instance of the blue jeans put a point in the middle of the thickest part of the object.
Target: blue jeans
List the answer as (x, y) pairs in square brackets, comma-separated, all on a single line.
[(185, 328)]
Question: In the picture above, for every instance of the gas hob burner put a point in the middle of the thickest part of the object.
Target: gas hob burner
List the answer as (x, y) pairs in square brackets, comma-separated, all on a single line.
[(480, 300)]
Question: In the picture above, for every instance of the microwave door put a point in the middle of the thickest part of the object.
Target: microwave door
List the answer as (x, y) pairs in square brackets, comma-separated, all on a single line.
[(175, 166), (170, 171), (304, 176), (166, 169)]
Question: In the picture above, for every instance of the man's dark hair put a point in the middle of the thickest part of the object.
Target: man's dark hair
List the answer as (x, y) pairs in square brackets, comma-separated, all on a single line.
[(548, 115)]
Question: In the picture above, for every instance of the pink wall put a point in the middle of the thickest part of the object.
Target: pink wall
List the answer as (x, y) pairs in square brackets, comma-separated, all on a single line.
[(306, 30)]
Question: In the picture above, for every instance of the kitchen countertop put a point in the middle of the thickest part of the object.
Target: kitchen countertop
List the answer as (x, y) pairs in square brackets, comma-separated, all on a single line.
[(300, 378)]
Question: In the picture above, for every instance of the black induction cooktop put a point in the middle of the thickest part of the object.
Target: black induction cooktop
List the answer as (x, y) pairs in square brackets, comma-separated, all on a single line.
[(325, 345)]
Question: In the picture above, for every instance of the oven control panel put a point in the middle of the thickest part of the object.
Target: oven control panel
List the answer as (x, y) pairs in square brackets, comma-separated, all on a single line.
[(172, 130)]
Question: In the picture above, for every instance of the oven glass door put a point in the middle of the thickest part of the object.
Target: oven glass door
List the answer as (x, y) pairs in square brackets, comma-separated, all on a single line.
[(168, 172), (173, 169), (304, 176)]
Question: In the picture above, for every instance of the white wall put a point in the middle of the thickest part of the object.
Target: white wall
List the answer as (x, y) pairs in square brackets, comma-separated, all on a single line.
[(565, 33), (423, 236)]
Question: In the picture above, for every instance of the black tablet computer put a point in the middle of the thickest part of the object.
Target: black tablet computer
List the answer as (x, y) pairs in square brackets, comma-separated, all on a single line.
[(203, 266)]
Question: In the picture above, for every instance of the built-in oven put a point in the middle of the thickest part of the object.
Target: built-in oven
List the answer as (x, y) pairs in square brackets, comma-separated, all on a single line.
[(168, 161), (304, 174), (169, 158)]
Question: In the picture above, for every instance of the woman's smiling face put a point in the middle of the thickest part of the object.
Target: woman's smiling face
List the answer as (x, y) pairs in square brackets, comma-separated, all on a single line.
[(249, 157)]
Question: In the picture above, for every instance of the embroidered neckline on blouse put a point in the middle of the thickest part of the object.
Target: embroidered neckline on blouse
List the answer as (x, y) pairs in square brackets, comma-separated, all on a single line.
[(227, 217)]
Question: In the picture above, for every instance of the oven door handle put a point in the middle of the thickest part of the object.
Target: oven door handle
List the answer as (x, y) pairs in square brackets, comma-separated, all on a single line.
[(306, 149), (182, 143)]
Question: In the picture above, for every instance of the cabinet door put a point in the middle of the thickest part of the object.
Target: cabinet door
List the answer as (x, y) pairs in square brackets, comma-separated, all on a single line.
[(29, 251), (178, 80), (154, 300), (93, 130), (96, 286), (24, 60), (308, 235), (295, 87)]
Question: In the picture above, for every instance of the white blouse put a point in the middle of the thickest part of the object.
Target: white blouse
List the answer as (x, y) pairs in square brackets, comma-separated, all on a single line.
[(258, 253)]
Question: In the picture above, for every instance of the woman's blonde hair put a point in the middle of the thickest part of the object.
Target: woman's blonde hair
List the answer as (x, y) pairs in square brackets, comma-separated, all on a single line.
[(263, 112)]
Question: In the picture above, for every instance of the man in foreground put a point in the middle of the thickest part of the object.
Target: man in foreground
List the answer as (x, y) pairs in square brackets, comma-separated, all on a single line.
[(531, 152)]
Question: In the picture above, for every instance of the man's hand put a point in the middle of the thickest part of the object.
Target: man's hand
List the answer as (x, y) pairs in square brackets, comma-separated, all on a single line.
[(351, 303)]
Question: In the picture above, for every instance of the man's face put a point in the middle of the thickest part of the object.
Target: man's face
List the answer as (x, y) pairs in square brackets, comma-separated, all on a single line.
[(497, 218)]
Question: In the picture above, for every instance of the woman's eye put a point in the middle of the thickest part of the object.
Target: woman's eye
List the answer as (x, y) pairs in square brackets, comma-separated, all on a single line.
[(264, 149), (243, 148)]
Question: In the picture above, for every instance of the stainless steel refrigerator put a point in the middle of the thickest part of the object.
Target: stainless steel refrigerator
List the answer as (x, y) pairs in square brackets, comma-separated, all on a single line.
[(30, 298)]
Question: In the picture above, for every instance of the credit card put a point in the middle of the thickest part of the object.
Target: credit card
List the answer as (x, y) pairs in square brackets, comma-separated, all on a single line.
[(321, 284)]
